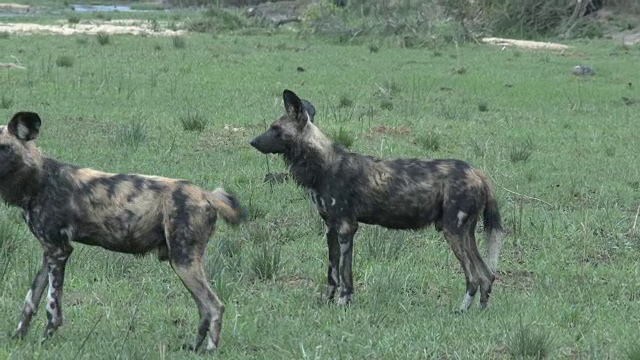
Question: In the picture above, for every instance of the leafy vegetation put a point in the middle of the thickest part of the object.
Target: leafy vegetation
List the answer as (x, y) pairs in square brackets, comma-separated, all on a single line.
[(558, 148)]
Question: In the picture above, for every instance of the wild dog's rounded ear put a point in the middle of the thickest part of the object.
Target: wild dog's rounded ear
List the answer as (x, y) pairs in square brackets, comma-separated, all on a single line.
[(25, 125), (292, 103), (309, 108)]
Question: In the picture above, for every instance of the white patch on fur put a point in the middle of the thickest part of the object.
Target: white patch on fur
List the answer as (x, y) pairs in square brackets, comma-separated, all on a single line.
[(343, 300), (306, 114), (318, 201), (50, 298), (345, 228), (466, 302), (494, 244), (335, 278), (28, 302), (461, 217), (68, 231), (220, 194), (22, 132), (317, 139), (210, 344), (333, 202)]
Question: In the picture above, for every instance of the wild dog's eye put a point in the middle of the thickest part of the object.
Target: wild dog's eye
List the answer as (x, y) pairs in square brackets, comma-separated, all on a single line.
[(277, 129)]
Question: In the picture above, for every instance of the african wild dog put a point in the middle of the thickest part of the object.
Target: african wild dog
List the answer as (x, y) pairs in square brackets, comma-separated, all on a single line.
[(398, 194), (127, 213)]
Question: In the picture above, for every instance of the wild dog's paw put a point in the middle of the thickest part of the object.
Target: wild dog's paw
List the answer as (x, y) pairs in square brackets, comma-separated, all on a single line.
[(187, 347), (19, 334), (344, 300)]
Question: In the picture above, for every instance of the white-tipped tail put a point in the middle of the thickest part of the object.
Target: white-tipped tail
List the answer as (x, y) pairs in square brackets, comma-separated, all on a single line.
[(227, 205), (494, 245)]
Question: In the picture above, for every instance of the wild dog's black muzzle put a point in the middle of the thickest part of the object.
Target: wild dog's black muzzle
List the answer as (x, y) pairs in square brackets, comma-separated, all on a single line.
[(254, 142), (268, 143), (257, 144)]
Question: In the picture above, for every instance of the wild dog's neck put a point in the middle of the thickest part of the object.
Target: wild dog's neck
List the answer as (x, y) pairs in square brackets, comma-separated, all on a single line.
[(21, 186), (311, 159)]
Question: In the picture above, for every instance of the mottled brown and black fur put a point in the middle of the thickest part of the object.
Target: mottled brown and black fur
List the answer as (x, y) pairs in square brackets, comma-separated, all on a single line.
[(350, 188), (126, 213)]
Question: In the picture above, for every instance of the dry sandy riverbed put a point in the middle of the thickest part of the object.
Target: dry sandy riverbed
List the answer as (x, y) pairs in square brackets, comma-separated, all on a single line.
[(114, 27)]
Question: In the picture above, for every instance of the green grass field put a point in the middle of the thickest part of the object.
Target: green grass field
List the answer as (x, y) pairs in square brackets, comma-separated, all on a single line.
[(569, 286)]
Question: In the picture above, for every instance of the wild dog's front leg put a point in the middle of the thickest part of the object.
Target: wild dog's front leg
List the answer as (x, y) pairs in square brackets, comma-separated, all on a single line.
[(32, 300), (333, 280), (345, 239), (57, 261)]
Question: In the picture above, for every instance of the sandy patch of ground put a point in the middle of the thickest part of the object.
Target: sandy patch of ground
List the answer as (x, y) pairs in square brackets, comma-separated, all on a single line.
[(116, 27), (14, 7), (525, 43)]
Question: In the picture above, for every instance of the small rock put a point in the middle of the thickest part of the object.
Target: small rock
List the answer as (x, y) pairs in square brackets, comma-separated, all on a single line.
[(581, 70)]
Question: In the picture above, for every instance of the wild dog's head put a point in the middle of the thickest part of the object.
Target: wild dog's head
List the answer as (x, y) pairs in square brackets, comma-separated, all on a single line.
[(290, 130), (17, 151)]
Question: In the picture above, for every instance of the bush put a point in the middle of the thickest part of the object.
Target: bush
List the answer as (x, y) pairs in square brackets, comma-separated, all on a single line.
[(64, 61), (133, 134), (525, 342), (217, 19), (343, 137), (103, 38), (179, 42), (193, 121)]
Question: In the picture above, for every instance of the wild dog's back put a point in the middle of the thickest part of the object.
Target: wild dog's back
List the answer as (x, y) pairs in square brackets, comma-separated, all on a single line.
[(408, 193), (119, 212)]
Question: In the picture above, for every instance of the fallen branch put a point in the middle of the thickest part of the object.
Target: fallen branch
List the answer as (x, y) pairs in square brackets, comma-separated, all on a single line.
[(524, 43), (526, 196), (11, 66), (523, 195), (635, 221)]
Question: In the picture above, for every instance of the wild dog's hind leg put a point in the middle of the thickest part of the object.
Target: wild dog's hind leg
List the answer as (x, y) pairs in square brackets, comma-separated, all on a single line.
[(455, 234), (56, 264), (186, 250), (485, 275), (32, 300), (210, 307), (346, 230)]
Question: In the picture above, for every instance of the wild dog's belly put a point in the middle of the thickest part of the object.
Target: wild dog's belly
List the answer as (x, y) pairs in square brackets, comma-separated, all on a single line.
[(408, 223), (124, 240), (402, 218)]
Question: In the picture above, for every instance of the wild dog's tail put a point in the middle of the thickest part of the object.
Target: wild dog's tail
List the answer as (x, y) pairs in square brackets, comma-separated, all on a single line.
[(492, 228), (227, 205)]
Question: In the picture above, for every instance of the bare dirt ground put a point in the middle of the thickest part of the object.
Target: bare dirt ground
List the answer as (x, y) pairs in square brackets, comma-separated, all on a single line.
[(114, 27)]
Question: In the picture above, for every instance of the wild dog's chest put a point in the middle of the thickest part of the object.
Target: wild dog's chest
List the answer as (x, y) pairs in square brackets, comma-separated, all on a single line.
[(328, 204), (45, 225)]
